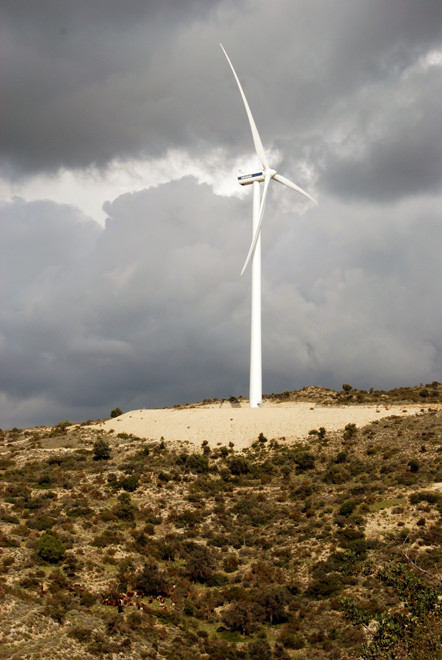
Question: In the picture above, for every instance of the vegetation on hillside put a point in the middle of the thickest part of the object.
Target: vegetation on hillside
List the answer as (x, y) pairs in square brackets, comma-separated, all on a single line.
[(428, 394), (113, 546)]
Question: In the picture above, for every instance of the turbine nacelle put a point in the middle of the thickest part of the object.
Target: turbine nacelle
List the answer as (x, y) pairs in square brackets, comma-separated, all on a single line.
[(247, 179)]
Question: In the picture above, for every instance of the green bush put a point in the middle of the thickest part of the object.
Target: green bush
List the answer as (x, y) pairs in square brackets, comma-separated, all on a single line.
[(197, 463), (151, 581), (241, 617), (200, 563), (272, 600), (125, 510), (350, 431), (432, 497), (62, 426), (41, 522), (259, 649), (130, 483), (80, 633), (341, 457), (414, 465), (50, 548), (325, 586), (336, 474), (347, 507), (101, 450), (116, 412), (304, 461), (239, 465)]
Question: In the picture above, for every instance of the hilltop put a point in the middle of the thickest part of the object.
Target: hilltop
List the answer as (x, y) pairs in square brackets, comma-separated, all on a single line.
[(325, 546)]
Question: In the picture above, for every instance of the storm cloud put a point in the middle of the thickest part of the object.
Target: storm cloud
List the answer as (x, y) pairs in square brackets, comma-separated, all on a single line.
[(148, 309)]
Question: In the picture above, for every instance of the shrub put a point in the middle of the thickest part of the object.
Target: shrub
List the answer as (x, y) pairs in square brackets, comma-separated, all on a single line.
[(45, 480), (151, 581), (50, 548), (200, 563), (167, 551), (80, 633), (239, 465), (414, 465), (304, 461), (350, 431), (62, 426), (347, 507), (107, 537), (240, 616), (188, 518), (336, 474), (116, 412), (130, 483), (197, 463), (325, 586), (259, 649), (341, 457), (41, 522), (292, 641), (125, 509), (101, 450), (230, 563), (432, 497), (272, 600), (347, 388)]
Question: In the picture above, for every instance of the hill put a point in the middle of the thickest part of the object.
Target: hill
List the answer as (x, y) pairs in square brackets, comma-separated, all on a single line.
[(324, 547)]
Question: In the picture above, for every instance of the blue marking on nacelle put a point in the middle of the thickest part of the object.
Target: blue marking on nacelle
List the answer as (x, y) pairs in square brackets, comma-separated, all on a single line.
[(249, 176)]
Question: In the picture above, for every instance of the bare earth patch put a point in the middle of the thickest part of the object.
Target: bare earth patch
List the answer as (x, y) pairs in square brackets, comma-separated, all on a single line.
[(242, 425)]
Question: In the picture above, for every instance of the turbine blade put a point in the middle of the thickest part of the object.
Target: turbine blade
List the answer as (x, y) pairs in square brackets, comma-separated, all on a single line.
[(290, 184), (258, 228), (256, 139)]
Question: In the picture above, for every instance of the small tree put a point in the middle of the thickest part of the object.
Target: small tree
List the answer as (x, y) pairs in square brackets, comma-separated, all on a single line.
[(350, 431), (130, 483), (116, 412), (125, 509), (101, 450), (50, 548), (200, 563), (151, 581), (304, 461), (240, 616), (239, 465)]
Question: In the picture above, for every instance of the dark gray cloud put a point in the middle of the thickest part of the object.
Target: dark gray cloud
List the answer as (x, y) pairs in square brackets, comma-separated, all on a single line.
[(82, 82), (96, 315), (85, 83), (389, 150)]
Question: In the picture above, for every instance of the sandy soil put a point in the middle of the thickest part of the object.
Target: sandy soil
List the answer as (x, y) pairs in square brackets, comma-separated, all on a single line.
[(241, 425)]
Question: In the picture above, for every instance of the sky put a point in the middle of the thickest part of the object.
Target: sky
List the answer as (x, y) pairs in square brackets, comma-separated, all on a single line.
[(124, 230)]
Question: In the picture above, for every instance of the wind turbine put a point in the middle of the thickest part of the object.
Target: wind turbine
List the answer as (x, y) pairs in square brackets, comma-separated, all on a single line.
[(254, 254)]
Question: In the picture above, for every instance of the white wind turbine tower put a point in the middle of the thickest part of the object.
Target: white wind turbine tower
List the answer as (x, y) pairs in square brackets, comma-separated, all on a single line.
[(264, 175)]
